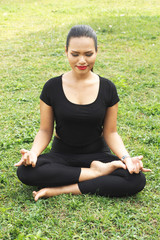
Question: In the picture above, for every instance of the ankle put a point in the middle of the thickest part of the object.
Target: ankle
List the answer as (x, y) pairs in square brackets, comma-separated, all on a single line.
[(46, 191), (96, 171)]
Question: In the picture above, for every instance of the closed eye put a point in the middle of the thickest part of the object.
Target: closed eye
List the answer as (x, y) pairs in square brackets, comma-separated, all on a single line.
[(74, 54), (89, 54)]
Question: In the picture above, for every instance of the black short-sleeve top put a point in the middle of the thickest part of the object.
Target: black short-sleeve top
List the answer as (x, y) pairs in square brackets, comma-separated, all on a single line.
[(79, 125)]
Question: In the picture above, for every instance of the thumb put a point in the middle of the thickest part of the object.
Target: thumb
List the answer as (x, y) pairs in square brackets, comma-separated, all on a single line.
[(19, 163), (124, 166)]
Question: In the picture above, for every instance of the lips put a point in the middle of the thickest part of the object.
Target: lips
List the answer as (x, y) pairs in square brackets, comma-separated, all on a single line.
[(81, 67)]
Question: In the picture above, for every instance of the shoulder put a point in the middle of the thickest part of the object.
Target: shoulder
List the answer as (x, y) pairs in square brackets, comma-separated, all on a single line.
[(49, 90), (109, 92), (107, 85), (52, 81), (106, 82)]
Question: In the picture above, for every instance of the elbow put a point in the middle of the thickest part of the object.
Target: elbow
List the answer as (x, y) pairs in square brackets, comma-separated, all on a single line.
[(46, 132), (110, 137), (110, 133)]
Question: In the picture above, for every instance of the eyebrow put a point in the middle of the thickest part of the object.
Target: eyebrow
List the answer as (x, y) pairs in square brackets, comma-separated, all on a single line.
[(78, 52)]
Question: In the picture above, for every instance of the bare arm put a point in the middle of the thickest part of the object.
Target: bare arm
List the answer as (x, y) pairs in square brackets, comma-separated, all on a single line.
[(114, 141), (45, 132), (42, 138), (111, 136)]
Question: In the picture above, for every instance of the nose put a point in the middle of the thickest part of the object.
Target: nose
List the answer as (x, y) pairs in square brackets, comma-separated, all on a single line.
[(82, 60)]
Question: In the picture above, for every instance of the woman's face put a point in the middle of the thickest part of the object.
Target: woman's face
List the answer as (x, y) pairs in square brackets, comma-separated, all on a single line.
[(81, 54)]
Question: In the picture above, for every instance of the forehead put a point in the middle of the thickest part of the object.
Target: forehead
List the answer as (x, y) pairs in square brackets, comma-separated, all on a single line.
[(81, 43)]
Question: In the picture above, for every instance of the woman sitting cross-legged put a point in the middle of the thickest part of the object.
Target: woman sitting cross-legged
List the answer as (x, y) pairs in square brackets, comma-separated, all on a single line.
[(84, 107)]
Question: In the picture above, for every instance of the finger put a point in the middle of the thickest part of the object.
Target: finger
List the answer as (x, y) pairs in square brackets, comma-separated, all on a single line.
[(25, 156), (131, 170), (32, 160), (141, 165), (137, 158), (27, 159), (146, 170), (33, 163), (140, 157), (23, 151), (135, 170), (138, 167), (19, 163)]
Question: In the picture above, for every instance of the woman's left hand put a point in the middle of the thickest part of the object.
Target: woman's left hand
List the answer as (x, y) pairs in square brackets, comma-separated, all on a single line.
[(135, 165)]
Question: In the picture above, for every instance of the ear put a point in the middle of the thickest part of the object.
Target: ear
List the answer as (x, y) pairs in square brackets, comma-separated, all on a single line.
[(66, 52)]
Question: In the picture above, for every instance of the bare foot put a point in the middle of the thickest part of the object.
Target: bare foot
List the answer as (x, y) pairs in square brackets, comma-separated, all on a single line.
[(41, 193), (47, 192), (106, 168), (54, 191)]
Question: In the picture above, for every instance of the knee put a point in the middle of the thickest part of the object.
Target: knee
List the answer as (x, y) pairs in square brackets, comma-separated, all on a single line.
[(138, 182), (22, 175), (142, 180)]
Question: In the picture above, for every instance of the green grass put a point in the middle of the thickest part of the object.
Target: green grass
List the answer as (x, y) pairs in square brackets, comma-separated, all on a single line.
[(32, 39)]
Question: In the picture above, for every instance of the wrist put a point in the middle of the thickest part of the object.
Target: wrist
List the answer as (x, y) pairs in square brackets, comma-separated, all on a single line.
[(34, 152), (125, 157)]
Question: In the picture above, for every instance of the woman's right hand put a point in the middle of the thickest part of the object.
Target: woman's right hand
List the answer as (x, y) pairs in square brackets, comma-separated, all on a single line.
[(28, 158)]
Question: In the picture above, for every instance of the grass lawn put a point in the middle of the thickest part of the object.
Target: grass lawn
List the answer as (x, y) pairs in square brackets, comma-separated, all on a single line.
[(32, 35)]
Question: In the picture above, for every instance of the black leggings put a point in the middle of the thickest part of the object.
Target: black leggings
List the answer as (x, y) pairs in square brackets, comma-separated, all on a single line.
[(60, 168)]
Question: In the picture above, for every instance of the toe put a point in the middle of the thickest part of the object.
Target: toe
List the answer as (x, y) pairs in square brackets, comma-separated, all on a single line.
[(34, 193), (36, 197), (40, 194)]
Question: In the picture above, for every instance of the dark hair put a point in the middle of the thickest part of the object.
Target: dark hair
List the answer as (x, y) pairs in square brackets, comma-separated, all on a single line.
[(81, 31)]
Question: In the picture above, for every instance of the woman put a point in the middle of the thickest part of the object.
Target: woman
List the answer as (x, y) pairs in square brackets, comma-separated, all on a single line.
[(84, 107)]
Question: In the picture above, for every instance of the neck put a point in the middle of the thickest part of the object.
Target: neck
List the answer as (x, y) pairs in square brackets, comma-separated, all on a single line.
[(81, 76)]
